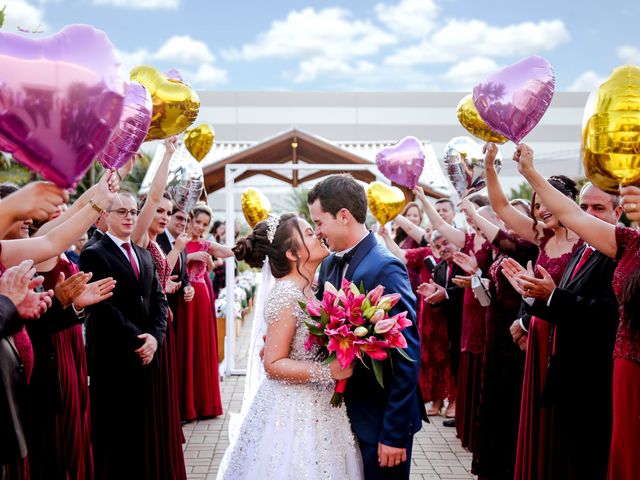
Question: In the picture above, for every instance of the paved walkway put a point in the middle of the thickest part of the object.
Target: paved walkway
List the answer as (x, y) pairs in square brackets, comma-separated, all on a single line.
[(437, 453)]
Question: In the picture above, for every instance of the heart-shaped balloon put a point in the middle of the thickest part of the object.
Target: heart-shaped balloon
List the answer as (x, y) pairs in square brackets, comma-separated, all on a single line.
[(199, 141), (513, 100), (464, 162), (385, 202), (186, 179), (255, 206), (611, 133), (403, 162), (470, 119), (60, 99), (132, 128), (175, 104)]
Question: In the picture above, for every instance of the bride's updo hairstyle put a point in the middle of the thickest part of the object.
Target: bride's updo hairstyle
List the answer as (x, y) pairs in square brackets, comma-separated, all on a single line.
[(256, 246)]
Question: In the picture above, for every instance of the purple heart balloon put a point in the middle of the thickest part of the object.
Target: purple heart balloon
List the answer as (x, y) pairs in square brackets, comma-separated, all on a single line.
[(132, 128), (60, 99), (403, 162), (513, 100)]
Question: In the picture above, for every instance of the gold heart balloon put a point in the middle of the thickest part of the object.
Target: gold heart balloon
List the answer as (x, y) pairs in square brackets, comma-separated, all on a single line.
[(611, 131), (470, 119), (255, 206), (175, 104), (199, 141), (385, 202)]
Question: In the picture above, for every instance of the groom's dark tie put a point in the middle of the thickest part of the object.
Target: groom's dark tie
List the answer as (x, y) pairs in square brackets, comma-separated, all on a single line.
[(336, 268)]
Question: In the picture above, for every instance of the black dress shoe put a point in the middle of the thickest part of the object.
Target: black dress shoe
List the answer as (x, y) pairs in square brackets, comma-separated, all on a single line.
[(449, 423)]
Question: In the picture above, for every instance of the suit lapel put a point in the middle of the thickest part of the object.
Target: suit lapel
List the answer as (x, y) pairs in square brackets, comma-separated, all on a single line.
[(119, 254), (584, 271), (362, 249), (145, 267)]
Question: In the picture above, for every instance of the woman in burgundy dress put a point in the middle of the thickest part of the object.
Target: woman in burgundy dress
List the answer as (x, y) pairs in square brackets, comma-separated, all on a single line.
[(557, 244), (623, 244), (413, 215), (197, 356)]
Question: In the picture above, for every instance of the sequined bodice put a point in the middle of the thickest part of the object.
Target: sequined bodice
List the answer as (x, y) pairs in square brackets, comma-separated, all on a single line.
[(557, 265), (159, 259), (628, 255), (284, 296), (196, 269)]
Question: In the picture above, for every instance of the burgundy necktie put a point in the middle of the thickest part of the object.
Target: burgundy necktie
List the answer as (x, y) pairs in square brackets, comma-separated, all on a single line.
[(134, 265), (585, 256)]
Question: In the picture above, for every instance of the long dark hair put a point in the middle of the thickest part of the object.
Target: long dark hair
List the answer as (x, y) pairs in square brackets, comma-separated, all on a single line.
[(564, 185), (401, 235), (256, 246), (631, 304)]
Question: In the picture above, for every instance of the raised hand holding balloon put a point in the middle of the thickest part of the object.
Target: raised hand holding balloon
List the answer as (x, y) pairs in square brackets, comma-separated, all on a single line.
[(385, 202), (256, 207), (61, 100), (131, 129), (175, 104), (403, 162), (611, 130), (513, 100), (464, 163)]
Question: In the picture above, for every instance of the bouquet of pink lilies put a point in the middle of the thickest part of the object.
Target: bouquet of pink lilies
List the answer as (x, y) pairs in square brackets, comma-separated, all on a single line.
[(350, 324)]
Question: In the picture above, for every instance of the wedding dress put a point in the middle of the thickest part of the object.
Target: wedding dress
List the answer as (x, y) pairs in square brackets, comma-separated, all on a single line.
[(290, 431)]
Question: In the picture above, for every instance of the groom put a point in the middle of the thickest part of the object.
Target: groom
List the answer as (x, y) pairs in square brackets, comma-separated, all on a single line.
[(383, 419)]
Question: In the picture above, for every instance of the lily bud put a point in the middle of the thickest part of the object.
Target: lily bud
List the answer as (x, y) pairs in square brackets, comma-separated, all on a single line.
[(360, 331), (374, 295), (367, 313), (383, 326), (377, 316), (388, 301)]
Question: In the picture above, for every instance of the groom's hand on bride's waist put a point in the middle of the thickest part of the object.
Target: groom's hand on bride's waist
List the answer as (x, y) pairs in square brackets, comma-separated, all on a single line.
[(391, 456)]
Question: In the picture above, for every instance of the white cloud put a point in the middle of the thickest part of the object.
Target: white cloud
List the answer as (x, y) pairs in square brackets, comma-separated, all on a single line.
[(311, 69), (207, 76), (141, 4), (409, 18), (20, 13), (329, 33), (629, 54), (463, 38), (183, 49), (467, 73), (586, 82)]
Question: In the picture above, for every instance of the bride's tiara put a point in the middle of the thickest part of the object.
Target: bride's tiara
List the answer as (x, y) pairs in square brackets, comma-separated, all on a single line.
[(272, 226)]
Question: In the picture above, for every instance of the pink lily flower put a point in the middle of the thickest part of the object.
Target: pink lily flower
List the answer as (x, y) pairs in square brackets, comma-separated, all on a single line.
[(353, 309), (396, 339), (311, 341), (384, 326), (374, 295), (342, 342), (376, 349), (314, 308), (377, 316), (388, 301)]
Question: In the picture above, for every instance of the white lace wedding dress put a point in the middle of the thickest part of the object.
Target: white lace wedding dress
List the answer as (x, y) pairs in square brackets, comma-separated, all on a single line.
[(291, 431)]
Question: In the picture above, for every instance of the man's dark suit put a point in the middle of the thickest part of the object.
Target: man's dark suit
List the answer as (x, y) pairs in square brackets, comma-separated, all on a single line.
[(584, 311), (179, 269), (452, 309), (119, 383), (95, 237), (393, 414)]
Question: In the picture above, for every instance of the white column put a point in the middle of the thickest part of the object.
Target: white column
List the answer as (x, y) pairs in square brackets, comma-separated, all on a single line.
[(230, 338)]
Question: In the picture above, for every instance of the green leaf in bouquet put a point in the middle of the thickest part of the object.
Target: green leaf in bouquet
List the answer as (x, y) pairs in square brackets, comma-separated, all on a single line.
[(324, 318), (377, 371), (303, 307), (314, 329), (366, 304), (361, 286), (329, 359), (405, 354)]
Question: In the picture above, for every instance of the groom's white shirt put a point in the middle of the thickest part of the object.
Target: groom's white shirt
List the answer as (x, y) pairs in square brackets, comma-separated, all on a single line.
[(342, 253)]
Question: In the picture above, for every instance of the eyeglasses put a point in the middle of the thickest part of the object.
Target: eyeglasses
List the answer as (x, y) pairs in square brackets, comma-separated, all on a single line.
[(122, 212), (180, 218)]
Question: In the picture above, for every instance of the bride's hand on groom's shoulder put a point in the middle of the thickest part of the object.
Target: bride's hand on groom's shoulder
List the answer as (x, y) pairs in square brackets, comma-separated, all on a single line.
[(339, 373)]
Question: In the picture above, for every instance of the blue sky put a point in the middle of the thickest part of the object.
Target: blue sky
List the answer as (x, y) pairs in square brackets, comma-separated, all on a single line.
[(351, 45)]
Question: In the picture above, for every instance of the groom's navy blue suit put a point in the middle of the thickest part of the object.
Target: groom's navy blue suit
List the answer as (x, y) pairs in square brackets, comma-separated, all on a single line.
[(393, 414)]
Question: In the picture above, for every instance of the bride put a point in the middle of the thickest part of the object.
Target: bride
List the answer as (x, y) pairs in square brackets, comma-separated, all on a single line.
[(290, 430)]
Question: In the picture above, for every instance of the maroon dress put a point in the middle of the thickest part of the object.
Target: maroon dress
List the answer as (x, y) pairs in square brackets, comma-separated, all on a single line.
[(196, 348), (435, 375), (60, 447), (533, 458), (624, 462), (471, 350), (413, 271), (496, 431), (164, 418)]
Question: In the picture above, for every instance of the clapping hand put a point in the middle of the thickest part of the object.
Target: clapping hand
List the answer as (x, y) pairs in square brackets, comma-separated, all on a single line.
[(467, 262), (68, 289), (432, 292), (172, 286), (462, 281), (95, 292), (34, 303)]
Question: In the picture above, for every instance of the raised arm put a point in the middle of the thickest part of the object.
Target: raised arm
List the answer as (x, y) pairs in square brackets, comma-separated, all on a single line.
[(483, 226), (595, 232), (58, 240), (219, 251), (154, 197), (178, 247), (449, 232), (391, 245), (411, 229), (511, 216)]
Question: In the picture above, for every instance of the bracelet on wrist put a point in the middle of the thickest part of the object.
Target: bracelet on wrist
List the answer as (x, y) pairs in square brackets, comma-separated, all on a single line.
[(97, 207)]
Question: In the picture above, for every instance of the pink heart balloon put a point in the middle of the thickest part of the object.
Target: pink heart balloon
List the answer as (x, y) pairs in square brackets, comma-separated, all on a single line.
[(60, 99), (513, 100), (131, 129), (403, 162)]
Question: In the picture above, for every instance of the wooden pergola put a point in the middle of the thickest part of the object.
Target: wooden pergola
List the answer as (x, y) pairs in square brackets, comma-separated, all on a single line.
[(294, 146)]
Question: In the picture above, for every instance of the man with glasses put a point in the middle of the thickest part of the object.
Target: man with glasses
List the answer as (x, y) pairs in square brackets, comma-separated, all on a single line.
[(123, 334), (177, 225)]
